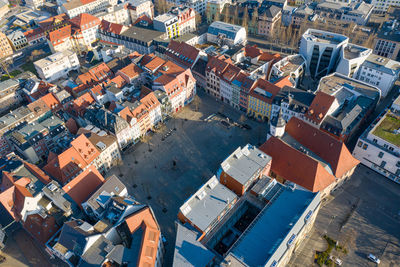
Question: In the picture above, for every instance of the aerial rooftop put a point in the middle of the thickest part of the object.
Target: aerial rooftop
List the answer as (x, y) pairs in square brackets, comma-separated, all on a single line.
[(324, 37), (335, 82), (207, 203), (269, 235), (388, 128), (352, 51), (382, 64), (244, 162)]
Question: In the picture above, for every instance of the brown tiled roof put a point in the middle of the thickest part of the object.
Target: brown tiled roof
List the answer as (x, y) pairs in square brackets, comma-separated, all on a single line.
[(267, 87), (85, 148), (51, 101), (145, 220), (59, 35), (132, 71), (295, 166), (142, 18), (115, 28), (85, 21), (150, 101), (42, 229), (319, 107), (84, 185), (325, 146), (182, 53), (66, 165)]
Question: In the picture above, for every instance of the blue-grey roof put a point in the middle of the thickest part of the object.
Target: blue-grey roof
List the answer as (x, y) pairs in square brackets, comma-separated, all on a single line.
[(207, 203), (275, 225), (230, 30), (189, 251)]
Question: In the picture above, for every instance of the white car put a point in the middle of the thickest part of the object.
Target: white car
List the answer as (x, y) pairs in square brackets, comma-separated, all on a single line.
[(374, 259), (336, 260)]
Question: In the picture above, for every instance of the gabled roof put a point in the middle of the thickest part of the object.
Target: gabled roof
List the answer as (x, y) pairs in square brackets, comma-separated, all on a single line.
[(85, 148), (218, 64), (145, 223), (84, 185), (150, 101), (182, 53), (319, 107), (51, 101), (264, 90), (115, 28), (324, 145), (132, 71), (295, 166), (85, 21), (59, 35), (66, 165)]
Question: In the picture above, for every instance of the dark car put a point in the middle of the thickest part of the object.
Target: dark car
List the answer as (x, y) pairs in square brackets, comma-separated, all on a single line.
[(246, 126), (226, 124)]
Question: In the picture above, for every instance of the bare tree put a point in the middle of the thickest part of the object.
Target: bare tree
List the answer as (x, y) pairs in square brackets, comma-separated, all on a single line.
[(226, 13), (198, 19), (5, 65), (245, 19), (196, 102), (146, 139), (235, 18), (35, 53), (254, 19)]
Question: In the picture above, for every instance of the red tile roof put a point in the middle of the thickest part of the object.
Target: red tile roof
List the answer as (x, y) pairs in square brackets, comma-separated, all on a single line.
[(65, 166), (319, 107), (182, 53), (58, 36), (295, 166), (85, 21), (150, 101), (71, 126), (51, 101), (284, 81), (84, 185), (143, 18), (85, 148), (115, 28), (132, 71), (217, 64), (42, 229), (324, 145), (54, 21), (81, 103), (145, 220), (266, 86)]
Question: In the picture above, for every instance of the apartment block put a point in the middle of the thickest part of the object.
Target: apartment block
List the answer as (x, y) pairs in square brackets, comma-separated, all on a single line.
[(378, 147), (57, 65)]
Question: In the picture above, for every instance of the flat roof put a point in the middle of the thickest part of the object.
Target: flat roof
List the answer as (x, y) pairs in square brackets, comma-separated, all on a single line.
[(387, 127), (352, 51), (244, 162), (335, 82), (142, 34), (207, 203), (189, 251), (324, 36), (274, 223)]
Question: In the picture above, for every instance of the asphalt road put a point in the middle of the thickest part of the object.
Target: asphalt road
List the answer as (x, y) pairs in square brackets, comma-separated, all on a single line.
[(364, 217)]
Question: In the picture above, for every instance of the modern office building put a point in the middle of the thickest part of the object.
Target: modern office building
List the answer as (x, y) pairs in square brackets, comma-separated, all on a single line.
[(226, 34), (321, 50)]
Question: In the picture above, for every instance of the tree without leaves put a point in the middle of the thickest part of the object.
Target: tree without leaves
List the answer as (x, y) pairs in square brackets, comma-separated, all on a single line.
[(4, 65), (196, 102), (226, 13), (245, 19), (235, 18), (254, 18), (198, 19)]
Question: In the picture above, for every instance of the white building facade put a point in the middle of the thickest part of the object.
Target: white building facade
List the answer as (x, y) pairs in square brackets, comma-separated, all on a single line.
[(381, 154), (380, 72), (57, 65)]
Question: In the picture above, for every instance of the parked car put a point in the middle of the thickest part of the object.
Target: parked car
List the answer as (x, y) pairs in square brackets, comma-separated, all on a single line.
[(246, 126), (336, 260), (373, 258)]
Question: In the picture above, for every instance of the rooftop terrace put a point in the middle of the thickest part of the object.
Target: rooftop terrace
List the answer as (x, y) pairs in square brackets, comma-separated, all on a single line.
[(389, 129)]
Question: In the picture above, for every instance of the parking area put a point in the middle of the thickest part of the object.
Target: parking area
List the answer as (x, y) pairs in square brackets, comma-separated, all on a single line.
[(169, 168), (21, 250), (364, 217)]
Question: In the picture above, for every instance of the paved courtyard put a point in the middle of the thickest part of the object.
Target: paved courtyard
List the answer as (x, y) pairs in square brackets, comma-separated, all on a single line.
[(196, 146), (364, 216)]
